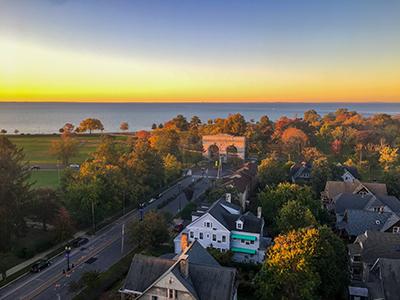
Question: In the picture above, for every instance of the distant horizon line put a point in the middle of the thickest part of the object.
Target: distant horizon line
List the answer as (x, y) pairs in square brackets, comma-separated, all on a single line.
[(206, 102)]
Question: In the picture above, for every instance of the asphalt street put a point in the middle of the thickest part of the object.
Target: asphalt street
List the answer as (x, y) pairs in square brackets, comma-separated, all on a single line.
[(101, 252)]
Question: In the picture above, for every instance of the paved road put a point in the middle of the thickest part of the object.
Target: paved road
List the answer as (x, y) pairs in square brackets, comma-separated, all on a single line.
[(101, 252)]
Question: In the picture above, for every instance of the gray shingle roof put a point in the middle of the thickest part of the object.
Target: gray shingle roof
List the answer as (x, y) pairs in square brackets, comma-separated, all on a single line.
[(350, 201), (375, 244), (144, 271), (391, 201), (388, 277), (356, 222), (250, 222), (207, 280)]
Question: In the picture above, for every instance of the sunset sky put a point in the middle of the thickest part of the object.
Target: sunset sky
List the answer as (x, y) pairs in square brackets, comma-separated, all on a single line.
[(199, 50)]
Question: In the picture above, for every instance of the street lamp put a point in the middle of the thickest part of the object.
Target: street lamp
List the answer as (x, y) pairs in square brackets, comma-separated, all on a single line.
[(67, 252)]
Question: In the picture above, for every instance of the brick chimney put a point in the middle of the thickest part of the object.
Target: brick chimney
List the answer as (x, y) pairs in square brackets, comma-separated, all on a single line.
[(184, 242), (259, 212), (184, 265)]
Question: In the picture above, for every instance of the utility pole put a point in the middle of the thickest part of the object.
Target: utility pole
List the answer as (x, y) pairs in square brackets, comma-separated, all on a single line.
[(93, 219), (122, 237)]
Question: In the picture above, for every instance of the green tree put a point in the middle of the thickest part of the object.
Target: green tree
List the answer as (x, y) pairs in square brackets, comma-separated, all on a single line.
[(271, 170), (294, 215), (151, 232), (90, 124), (45, 205), (172, 167), (64, 148), (320, 173), (14, 192), (273, 198)]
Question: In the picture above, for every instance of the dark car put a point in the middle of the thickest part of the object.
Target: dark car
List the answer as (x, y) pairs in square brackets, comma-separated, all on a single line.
[(78, 242), (40, 265)]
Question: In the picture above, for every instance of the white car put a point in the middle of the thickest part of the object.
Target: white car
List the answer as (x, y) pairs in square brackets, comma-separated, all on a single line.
[(152, 200), (74, 166)]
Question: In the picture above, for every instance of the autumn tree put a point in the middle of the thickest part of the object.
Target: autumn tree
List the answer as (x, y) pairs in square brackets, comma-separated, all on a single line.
[(309, 263), (90, 124), (124, 126), (63, 224), (235, 124), (295, 140), (14, 191), (388, 157), (149, 233), (64, 148), (179, 123), (165, 141)]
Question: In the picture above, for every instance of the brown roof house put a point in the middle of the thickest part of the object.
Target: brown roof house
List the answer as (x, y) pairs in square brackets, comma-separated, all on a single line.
[(244, 181), (192, 275), (375, 266), (334, 188)]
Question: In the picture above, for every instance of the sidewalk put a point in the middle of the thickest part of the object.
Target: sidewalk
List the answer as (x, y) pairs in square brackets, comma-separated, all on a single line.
[(38, 256)]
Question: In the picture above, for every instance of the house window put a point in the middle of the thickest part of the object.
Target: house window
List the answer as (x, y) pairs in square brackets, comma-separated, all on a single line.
[(207, 224), (239, 225), (396, 229), (252, 242), (191, 234), (201, 235), (171, 294), (224, 239), (214, 237), (154, 298)]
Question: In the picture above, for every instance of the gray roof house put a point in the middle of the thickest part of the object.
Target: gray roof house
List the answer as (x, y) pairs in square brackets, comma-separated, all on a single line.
[(356, 213), (375, 266), (194, 274), (225, 227)]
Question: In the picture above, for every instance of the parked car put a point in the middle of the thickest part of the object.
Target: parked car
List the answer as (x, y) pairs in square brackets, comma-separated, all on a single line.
[(74, 166), (35, 168), (40, 265), (78, 242), (152, 200)]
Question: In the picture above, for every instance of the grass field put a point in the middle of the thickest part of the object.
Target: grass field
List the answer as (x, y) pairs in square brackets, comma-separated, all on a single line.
[(36, 147), (46, 178)]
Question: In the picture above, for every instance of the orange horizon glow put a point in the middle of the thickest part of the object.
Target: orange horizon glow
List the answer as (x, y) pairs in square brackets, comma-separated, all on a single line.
[(35, 73)]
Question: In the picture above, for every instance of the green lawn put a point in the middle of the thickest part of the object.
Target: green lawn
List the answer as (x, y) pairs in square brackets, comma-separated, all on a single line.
[(46, 178), (36, 147)]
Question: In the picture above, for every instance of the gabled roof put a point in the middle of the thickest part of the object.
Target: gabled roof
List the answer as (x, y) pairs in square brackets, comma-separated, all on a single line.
[(356, 221), (345, 201), (144, 271), (250, 222), (206, 280), (334, 188), (299, 168), (390, 201), (352, 170), (376, 244), (386, 273)]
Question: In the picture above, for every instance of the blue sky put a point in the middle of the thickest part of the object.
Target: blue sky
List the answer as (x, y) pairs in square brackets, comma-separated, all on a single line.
[(305, 38)]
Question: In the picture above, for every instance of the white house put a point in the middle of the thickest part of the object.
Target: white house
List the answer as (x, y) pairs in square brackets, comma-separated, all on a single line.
[(223, 226)]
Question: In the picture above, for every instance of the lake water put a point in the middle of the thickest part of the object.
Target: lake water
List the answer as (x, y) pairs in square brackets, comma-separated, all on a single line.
[(49, 117)]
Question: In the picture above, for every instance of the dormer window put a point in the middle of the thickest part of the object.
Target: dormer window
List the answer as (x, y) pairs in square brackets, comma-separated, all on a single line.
[(239, 224)]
